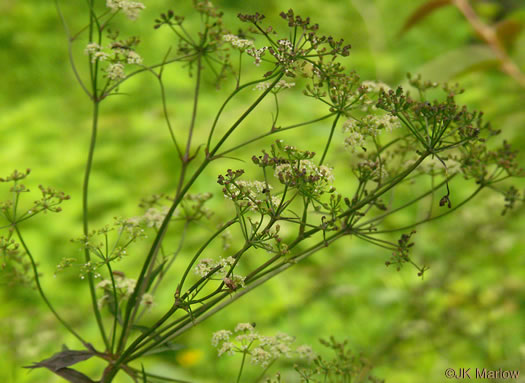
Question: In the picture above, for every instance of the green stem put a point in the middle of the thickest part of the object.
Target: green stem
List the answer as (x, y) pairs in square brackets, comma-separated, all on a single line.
[(437, 216), (214, 306), (274, 131), (224, 104), (245, 114), (166, 115), (41, 291), (261, 376), (329, 139), (85, 222), (242, 366), (199, 252), (115, 301), (118, 83), (370, 198), (132, 302), (195, 105), (70, 50), (109, 377), (384, 215)]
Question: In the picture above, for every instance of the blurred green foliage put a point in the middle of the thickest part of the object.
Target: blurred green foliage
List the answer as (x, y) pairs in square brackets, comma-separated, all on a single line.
[(467, 312)]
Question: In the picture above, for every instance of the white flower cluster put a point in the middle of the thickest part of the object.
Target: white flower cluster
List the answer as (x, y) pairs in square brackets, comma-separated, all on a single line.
[(226, 237), (369, 126), (285, 55), (89, 267), (124, 287), (115, 72), (147, 300), (133, 57), (321, 176), (250, 188), (192, 207), (95, 51), (220, 336), (123, 54), (375, 86), (198, 197), (354, 140), (281, 84), (130, 8), (250, 193), (153, 217), (387, 122), (286, 44), (373, 170), (262, 349), (369, 92), (256, 54), (207, 265), (116, 56), (237, 42), (306, 352)]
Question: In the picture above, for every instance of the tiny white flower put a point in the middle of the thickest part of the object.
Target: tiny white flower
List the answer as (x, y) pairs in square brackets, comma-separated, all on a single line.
[(130, 8), (354, 140), (374, 86), (204, 267), (281, 349), (92, 48), (99, 56), (244, 327), (306, 352), (115, 72), (256, 54), (147, 300), (247, 339), (133, 58), (238, 280), (220, 336), (226, 348), (282, 84), (103, 284), (127, 285), (226, 238), (260, 357), (285, 43), (225, 262), (237, 42)]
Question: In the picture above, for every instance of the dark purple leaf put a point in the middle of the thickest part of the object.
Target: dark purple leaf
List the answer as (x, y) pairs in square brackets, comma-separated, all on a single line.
[(63, 359), (73, 376)]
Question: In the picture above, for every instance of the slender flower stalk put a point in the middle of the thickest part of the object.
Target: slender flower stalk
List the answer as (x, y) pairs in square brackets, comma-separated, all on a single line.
[(285, 204)]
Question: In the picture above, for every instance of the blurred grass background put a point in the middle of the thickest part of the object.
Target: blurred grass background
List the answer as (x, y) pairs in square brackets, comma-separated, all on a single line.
[(467, 312)]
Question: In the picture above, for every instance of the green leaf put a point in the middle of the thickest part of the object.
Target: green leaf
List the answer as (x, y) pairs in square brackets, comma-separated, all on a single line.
[(457, 62), (423, 11)]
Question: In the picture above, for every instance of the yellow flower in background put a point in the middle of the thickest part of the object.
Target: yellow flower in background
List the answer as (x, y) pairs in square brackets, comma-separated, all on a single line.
[(189, 358)]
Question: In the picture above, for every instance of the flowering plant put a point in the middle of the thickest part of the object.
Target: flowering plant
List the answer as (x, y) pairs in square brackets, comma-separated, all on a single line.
[(291, 211)]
